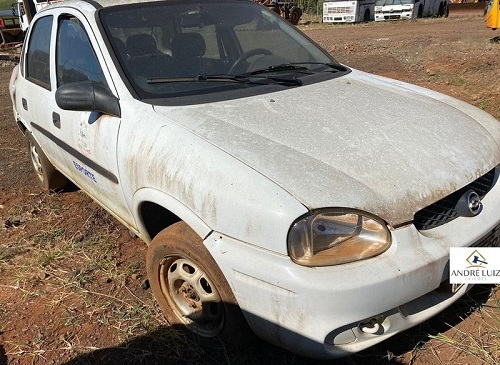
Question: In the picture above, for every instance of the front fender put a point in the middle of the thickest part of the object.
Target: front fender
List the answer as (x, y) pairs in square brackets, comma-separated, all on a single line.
[(204, 186), (169, 203)]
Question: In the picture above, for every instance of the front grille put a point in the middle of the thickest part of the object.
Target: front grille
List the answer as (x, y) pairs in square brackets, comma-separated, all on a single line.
[(443, 211), (338, 10), (492, 239)]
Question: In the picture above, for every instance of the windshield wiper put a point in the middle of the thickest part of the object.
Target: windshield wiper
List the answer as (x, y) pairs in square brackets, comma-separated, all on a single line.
[(278, 68), (199, 78), (242, 79), (296, 66), (334, 66)]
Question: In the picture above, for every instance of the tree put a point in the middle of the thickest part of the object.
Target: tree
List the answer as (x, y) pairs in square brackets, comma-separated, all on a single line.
[(311, 6)]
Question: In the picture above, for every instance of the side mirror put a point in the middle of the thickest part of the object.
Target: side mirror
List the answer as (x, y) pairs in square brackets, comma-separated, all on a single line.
[(88, 96)]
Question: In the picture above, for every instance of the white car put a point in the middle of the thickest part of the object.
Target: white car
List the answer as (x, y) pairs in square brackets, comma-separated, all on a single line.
[(275, 187)]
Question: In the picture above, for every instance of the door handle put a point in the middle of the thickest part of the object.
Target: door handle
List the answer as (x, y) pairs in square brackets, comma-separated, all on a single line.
[(25, 104), (56, 119)]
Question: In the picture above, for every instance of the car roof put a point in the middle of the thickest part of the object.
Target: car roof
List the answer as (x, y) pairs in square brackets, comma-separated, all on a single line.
[(107, 3), (90, 6)]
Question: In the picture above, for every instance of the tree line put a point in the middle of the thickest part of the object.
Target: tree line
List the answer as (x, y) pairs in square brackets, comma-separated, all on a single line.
[(311, 6)]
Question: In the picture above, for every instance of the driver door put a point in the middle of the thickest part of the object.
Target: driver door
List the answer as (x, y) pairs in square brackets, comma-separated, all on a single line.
[(88, 139)]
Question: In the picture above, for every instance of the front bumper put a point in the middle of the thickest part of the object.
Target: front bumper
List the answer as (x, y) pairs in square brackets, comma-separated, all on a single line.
[(393, 16), (326, 312)]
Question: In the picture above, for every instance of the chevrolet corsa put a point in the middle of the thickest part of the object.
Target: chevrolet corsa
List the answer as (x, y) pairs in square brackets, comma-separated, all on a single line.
[(277, 189)]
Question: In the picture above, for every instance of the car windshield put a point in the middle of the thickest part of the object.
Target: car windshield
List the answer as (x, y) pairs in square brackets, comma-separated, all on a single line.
[(177, 48), (394, 2)]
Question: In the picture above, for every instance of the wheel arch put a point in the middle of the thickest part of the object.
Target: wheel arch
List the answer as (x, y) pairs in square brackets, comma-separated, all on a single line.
[(157, 210)]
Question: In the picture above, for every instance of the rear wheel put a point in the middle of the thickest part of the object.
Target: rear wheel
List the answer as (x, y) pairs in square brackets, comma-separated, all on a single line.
[(366, 17), (20, 37), (295, 14), (48, 177), (190, 288)]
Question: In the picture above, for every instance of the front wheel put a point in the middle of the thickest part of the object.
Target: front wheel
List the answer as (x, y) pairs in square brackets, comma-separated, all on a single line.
[(190, 288), (48, 177)]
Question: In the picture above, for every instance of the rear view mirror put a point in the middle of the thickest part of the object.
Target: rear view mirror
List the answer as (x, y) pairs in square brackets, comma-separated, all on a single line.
[(87, 96)]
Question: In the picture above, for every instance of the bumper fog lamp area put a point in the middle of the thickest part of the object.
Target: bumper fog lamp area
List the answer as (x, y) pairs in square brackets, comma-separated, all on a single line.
[(366, 329), (336, 237), (372, 326)]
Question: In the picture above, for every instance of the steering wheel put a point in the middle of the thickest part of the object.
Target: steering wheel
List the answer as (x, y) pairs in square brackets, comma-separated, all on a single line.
[(245, 56)]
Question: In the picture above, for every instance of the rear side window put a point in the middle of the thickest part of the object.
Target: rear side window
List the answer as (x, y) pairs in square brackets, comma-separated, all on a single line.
[(38, 55), (76, 59)]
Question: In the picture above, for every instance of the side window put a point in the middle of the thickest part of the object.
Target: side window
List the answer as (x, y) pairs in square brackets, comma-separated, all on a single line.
[(76, 60), (38, 55)]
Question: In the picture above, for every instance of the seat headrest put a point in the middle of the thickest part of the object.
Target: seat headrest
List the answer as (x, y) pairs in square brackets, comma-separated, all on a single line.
[(188, 45), (141, 45), (120, 46)]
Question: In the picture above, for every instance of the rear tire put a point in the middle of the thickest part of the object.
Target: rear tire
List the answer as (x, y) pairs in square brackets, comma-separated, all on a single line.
[(49, 179), (295, 14), (441, 10), (366, 17), (191, 290), (9, 38), (20, 37)]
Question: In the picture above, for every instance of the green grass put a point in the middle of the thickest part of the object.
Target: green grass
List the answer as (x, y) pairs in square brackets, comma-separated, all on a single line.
[(6, 4)]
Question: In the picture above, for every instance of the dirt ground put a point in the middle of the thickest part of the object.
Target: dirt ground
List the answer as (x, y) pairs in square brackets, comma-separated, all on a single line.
[(72, 280)]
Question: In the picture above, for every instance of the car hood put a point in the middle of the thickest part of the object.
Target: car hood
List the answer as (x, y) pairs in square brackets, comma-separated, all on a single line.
[(358, 141)]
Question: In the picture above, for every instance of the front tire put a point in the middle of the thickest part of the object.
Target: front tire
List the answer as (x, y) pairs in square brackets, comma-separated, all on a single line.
[(190, 288), (48, 177)]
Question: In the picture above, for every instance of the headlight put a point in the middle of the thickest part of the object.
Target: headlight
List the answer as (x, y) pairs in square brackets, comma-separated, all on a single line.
[(337, 236)]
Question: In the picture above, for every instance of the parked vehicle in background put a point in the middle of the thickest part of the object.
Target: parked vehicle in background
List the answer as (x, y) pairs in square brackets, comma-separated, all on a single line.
[(10, 29), (287, 9), (348, 11), (492, 14), (409, 9), (466, 1), (25, 10)]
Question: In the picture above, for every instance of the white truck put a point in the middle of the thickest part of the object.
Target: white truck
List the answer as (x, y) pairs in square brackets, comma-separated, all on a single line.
[(26, 10), (348, 11), (409, 9)]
